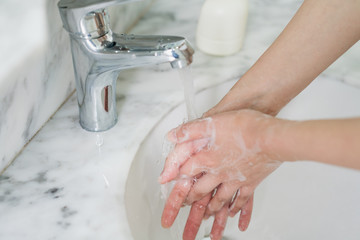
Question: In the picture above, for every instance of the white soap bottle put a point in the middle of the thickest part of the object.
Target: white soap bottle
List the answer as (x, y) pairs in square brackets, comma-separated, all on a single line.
[(221, 26)]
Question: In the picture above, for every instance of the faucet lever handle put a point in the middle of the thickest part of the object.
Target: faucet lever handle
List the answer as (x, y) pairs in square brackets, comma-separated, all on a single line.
[(73, 13)]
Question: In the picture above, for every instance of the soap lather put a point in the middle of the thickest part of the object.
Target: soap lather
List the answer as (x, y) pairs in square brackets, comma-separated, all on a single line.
[(221, 26)]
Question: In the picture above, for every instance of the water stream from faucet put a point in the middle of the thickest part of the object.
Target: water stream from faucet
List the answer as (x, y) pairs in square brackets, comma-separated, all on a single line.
[(99, 142), (189, 92), (187, 80)]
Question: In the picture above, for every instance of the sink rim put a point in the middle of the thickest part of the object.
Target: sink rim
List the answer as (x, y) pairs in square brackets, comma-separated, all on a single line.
[(165, 116)]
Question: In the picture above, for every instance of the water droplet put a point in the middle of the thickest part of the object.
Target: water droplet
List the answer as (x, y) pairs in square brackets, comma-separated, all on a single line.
[(107, 184), (99, 140)]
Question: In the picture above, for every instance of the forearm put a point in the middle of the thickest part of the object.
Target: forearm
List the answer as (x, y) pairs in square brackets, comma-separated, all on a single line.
[(334, 142), (320, 32)]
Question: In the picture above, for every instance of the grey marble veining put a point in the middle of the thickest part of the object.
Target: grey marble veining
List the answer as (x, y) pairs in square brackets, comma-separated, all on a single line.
[(266, 20), (73, 189), (36, 73), (64, 186)]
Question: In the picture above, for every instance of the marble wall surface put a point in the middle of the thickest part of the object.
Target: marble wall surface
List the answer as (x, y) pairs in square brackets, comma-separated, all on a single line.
[(73, 185), (36, 73)]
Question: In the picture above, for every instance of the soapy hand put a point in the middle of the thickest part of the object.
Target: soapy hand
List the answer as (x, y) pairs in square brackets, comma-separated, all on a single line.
[(197, 213), (225, 153)]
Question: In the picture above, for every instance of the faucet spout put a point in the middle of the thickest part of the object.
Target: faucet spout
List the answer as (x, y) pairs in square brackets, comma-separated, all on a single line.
[(129, 51), (97, 70), (99, 55)]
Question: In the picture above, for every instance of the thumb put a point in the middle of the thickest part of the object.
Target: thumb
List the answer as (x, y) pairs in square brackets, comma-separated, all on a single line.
[(177, 157), (197, 129)]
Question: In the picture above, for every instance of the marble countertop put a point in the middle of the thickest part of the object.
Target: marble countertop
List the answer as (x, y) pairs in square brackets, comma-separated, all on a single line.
[(69, 184), (34, 68)]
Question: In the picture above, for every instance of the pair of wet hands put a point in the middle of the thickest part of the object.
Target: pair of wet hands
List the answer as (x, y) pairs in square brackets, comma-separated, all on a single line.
[(217, 162)]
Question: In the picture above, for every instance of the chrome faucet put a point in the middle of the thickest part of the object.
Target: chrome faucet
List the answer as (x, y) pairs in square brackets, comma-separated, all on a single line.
[(99, 55)]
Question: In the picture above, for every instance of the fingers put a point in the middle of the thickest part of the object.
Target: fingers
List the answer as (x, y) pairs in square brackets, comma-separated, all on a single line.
[(175, 202), (245, 215), (224, 194), (202, 187), (177, 157), (241, 198), (200, 128), (219, 223), (195, 218), (196, 164)]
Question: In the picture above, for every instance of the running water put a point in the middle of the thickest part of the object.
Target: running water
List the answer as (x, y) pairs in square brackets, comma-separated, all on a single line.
[(99, 142), (187, 79), (189, 92)]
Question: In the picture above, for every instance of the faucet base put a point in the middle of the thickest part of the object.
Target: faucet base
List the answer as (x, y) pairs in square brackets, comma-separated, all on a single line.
[(98, 105), (98, 129)]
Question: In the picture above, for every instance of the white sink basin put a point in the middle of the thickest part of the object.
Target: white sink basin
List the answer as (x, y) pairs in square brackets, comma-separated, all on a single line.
[(302, 200)]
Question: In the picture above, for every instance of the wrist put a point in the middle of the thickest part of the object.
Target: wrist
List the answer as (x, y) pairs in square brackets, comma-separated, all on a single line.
[(254, 94), (277, 140)]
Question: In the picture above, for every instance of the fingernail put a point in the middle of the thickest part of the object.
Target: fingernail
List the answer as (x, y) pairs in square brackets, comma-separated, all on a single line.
[(242, 227), (160, 179), (208, 213), (163, 178), (166, 224), (171, 136)]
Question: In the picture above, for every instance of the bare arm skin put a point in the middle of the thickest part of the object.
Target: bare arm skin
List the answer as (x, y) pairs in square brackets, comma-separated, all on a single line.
[(320, 32), (335, 142), (242, 148)]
